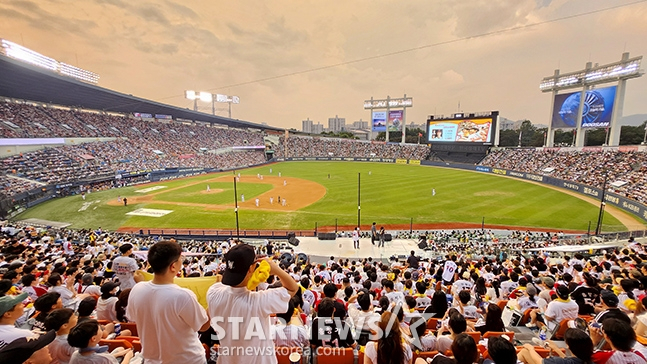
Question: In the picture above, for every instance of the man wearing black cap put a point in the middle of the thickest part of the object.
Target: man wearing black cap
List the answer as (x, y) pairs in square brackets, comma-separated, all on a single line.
[(28, 350), (609, 305), (240, 316)]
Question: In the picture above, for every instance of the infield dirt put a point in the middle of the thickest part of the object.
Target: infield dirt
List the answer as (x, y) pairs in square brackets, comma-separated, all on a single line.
[(296, 192)]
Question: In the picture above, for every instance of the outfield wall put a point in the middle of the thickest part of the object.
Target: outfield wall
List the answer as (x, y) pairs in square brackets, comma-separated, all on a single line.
[(611, 198)]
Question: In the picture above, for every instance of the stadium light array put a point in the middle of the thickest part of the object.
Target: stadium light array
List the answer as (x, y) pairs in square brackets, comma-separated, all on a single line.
[(212, 98), (16, 51), (202, 96), (624, 69)]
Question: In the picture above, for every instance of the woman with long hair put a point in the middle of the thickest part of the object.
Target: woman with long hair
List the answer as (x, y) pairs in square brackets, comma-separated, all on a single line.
[(493, 321), (464, 349), (494, 293), (438, 306), (578, 342), (479, 290), (121, 304), (390, 347), (627, 297), (421, 341)]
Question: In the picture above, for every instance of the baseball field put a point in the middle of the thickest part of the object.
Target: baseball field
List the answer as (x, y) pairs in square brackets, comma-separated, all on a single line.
[(298, 195)]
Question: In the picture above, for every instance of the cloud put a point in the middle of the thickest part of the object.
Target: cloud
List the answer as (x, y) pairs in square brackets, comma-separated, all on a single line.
[(151, 13), (543, 3), (160, 48), (451, 77), (179, 9), (477, 17), (39, 18), (157, 48), (118, 3)]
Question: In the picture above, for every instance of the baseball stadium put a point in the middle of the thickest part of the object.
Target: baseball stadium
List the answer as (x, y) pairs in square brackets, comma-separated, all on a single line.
[(476, 247), (81, 168)]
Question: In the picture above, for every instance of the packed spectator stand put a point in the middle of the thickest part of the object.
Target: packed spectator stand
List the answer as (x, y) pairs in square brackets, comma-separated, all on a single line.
[(133, 144), (588, 167), (306, 146), (464, 307)]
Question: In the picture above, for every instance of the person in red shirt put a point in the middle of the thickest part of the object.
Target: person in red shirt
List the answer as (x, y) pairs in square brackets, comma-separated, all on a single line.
[(621, 337)]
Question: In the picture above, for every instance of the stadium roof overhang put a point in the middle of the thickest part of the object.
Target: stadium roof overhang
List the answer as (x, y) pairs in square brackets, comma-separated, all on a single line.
[(22, 81)]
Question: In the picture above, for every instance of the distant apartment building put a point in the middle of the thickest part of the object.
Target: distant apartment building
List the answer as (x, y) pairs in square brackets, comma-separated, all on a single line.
[(357, 125), (308, 126), (317, 128), (336, 124), (506, 124), (413, 125)]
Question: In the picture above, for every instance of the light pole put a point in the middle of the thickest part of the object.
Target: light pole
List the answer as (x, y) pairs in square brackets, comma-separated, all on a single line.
[(236, 209), (598, 227), (227, 99), (212, 98), (645, 137), (202, 96)]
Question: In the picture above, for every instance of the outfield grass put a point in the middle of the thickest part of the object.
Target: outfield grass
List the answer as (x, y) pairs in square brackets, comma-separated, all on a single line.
[(391, 194)]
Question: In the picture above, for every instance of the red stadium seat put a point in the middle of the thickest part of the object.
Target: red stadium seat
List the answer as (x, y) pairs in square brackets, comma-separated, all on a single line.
[(114, 344)]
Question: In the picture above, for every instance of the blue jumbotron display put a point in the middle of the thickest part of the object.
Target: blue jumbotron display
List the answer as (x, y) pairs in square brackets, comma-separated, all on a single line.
[(596, 112)]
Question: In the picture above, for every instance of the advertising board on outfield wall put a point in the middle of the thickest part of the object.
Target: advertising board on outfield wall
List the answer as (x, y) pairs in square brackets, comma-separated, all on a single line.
[(609, 197)]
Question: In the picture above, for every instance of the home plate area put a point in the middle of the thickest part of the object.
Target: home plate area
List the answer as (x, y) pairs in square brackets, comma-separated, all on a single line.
[(150, 212)]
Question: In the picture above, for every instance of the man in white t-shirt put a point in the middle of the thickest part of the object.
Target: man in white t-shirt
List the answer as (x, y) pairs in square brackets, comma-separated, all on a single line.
[(168, 317), (562, 308), (356, 238), (462, 284), (11, 308), (125, 267), (67, 247), (393, 296), (240, 317)]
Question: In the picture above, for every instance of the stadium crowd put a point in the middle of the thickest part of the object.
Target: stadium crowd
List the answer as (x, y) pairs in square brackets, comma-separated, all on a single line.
[(10, 186), (585, 166), (305, 146), (92, 296), (136, 144), (39, 122)]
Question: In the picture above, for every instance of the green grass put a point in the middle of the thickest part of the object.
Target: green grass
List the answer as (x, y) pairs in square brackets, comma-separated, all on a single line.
[(391, 194)]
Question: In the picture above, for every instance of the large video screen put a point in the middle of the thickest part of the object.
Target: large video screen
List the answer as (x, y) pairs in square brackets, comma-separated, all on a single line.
[(596, 113), (474, 130)]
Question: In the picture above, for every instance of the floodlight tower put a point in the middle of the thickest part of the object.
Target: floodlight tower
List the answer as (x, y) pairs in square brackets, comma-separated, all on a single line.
[(202, 96), (212, 98), (586, 79)]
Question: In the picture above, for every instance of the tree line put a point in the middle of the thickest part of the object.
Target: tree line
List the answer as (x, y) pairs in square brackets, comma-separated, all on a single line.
[(535, 137)]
